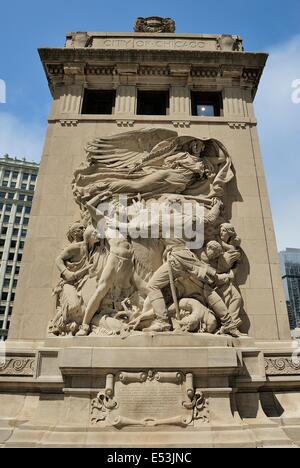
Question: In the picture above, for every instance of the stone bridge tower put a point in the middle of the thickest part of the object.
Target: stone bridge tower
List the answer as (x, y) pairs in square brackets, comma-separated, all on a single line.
[(99, 391)]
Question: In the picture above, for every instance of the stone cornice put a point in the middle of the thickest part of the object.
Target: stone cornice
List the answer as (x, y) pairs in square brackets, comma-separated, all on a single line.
[(62, 64)]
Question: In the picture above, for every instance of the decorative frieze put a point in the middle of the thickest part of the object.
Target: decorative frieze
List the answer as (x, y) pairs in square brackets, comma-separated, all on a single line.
[(282, 366), (17, 366)]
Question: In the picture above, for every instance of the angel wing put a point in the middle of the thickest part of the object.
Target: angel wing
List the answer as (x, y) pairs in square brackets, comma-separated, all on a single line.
[(127, 149)]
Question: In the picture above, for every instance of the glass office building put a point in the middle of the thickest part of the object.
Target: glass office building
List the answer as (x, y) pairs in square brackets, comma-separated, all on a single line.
[(290, 265)]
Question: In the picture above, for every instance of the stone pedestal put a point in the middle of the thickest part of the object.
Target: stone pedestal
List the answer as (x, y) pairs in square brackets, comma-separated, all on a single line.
[(148, 391)]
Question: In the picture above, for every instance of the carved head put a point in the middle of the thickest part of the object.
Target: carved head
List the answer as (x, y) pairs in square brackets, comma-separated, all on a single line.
[(228, 234), (213, 250), (91, 236), (76, 232), (196, 147)]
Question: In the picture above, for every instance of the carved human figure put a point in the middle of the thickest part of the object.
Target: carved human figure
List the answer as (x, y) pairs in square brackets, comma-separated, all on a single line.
[(119, 267), (74, 265), (181, 261), (214, 255)]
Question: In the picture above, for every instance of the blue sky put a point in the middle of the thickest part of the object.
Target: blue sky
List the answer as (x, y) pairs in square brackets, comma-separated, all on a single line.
[(271, 26)]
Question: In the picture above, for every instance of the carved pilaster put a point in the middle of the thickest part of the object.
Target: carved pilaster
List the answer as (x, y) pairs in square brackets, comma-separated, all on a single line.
[(233, 103), (180, 100), (125, 100)]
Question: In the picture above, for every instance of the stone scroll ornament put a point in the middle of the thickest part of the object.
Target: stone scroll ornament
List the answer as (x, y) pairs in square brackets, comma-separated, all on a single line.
[(135, 263)]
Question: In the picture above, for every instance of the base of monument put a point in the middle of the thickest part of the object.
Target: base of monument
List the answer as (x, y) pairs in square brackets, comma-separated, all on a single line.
[(150, 390)]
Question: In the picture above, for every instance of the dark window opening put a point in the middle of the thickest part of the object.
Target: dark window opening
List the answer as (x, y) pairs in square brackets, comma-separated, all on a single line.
[(153, 103), (98, 102), (207, 104)]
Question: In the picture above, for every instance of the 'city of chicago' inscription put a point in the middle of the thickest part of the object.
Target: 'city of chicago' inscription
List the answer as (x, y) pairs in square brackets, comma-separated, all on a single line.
[(123, 43)]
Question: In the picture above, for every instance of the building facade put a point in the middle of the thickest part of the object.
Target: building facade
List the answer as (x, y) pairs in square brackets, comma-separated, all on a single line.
[(290, 267), (17, 186)]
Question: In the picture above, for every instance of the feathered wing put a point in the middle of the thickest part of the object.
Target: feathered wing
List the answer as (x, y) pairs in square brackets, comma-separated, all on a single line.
[(125, 150)]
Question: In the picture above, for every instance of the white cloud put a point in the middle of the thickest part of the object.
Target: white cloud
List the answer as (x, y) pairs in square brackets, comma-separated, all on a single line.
[(279, 128), (19, 138)]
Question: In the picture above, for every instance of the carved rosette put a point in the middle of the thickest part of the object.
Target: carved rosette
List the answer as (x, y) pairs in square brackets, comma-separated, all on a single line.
[(149, 399)]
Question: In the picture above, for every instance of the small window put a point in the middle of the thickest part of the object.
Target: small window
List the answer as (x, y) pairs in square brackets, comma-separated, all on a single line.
[(29, 198), (4, 231), (32, 187), (15, 232), (11, 196), (22, 197), (19, 209), (13, 244), (24, 187), (19, 258), (13, 185), (2, 194), (2, 242), (24, 233), (11, 257), (98, 102), (6, 219), (8, 269), (6, 283), (6, 173), (8, 208), (33, 177), (15, 175), (18, 220), (4, 296), (153, 103), (26, 221), (207, 104), (26, 176), (28, 209)]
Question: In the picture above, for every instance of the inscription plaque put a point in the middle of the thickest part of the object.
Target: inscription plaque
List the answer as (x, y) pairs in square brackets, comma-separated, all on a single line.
[(149, 399)]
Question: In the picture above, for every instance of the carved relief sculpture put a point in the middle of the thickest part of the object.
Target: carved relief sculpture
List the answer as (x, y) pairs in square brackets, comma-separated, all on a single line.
[(155, 24), (132, 265)]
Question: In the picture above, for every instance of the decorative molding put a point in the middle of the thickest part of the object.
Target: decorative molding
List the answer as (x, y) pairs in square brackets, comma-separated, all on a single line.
[(125, 123), (153, 71), (18, 366), (100, 70), (181, 123), (282, 366), (201, 72), (69, 123), (55, 69), (237, 125)]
